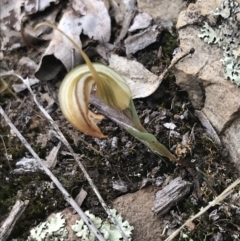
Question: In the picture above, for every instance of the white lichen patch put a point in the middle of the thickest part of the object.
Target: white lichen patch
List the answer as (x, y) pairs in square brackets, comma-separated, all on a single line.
[(55, 229), (109, 231), (50, 230), (226, 36)]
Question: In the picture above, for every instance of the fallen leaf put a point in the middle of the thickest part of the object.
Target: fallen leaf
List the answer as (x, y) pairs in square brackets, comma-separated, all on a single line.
[(26, 61), (141, 21), (94, 19), (140, 80), (10, 14), (89, 17), (60, 48), (45, 33)]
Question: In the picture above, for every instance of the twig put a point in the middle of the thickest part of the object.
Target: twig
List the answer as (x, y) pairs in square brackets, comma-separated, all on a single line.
[(6, 153), (6, 73), (130, 14), (208, 126), (217, 200), (15, 214), (173, 63), (88, 145), (66, 195), (76, 158)]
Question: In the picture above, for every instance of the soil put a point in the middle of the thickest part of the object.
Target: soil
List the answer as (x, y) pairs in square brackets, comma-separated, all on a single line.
[(120, 157)]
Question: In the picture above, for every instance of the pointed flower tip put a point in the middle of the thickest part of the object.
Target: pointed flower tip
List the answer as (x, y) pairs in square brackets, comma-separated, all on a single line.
[(94, 134)]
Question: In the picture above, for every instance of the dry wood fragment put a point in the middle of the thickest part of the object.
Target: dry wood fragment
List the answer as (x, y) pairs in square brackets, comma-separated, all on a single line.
[(12, 218), (81, 197), (141, 40), (51, 159), (208, 126), (170, 195)]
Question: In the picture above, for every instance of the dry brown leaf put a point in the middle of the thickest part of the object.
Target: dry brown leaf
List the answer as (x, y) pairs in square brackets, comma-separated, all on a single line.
[(10, 25), (86, 16), (10, 14), (140, 80), (94, 19), (60, 47), (44, 33)]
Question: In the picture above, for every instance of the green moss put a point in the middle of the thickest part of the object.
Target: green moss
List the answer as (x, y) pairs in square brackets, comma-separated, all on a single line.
[(168, 43), (43, 201), (7, 196)]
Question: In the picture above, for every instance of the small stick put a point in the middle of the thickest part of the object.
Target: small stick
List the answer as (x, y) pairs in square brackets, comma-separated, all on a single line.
[(173, 63), (9, 223), (217, 200), (66, 195), (6, 73), (130, 14)]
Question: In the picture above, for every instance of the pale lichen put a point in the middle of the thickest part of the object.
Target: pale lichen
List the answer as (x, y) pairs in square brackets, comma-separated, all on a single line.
[(226, 36), (108, 230), (55, 229)]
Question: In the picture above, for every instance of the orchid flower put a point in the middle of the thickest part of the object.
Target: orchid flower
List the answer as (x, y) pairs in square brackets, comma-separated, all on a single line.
[(112, 89)]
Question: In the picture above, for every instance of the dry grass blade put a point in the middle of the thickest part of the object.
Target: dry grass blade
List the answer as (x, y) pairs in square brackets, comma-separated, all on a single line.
[(6, 73), (217, 200), (6, 153), (66, 195)]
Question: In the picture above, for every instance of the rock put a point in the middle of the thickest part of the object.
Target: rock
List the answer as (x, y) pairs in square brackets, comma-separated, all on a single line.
[(162, 8), (202, 76), (136, 208)]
